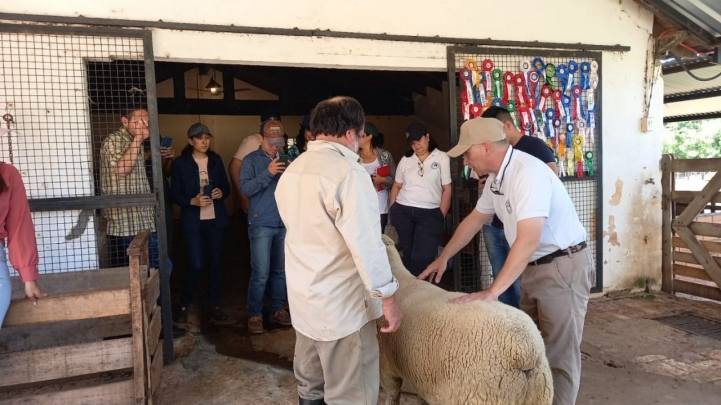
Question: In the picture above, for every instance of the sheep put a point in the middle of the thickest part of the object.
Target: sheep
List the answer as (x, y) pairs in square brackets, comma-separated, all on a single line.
[(475, 353)]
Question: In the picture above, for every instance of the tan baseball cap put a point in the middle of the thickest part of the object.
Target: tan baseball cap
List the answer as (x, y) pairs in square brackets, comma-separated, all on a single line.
[(477, 131)]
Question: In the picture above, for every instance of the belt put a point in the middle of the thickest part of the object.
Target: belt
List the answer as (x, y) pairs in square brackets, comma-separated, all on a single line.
[(559, 253)]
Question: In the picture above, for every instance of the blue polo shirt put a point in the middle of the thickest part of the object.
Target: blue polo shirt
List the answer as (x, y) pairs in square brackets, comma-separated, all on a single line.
[(259, 185)]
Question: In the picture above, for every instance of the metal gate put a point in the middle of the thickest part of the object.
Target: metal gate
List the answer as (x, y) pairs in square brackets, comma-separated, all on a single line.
[(691, 262), (63, 91), (496, 69)]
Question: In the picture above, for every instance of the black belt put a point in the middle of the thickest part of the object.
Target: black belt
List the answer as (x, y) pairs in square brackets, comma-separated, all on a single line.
[(558, 253)]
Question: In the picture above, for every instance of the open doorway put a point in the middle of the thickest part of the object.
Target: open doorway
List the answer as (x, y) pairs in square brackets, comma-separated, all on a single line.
[(230, 99)]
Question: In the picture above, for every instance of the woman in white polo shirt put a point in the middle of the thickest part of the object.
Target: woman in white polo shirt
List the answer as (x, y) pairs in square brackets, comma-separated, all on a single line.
[(420, 199)]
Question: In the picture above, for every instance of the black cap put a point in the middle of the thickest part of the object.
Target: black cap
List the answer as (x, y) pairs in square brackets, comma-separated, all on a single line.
[(415, 132), (198, 129)]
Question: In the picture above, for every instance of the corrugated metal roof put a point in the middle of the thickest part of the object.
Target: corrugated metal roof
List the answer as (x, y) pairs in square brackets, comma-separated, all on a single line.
[(681, 82)]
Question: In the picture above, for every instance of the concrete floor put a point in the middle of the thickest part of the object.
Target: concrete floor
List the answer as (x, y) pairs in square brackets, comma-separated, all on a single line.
[(628, 358)]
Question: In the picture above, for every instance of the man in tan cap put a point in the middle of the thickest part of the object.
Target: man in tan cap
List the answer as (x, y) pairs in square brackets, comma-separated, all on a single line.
[(548, 245)]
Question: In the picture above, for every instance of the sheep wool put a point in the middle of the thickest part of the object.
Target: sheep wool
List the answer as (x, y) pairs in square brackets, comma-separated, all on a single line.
[(476, 353)]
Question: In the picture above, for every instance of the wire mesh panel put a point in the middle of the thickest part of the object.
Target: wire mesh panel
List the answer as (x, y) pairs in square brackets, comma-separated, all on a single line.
[(73, 119), (552, 95)]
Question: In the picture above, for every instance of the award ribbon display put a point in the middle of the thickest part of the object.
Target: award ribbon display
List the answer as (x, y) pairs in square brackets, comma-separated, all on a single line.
[(562, 74), (589, 162), (557, 97), (508, 80), (572, 69), (497, 87), (487, 68)]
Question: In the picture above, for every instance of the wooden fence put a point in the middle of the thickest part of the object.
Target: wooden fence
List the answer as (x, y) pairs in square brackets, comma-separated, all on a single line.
[(691, 230)]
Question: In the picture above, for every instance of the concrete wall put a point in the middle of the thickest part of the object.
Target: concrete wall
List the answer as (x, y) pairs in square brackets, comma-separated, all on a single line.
[(631, 189)]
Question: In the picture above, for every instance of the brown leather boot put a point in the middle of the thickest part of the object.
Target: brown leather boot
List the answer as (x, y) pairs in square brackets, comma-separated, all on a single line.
[(255, 325), (281, 317)]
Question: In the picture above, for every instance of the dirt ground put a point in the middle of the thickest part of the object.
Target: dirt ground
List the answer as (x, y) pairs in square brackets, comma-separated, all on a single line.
[(628, 358)]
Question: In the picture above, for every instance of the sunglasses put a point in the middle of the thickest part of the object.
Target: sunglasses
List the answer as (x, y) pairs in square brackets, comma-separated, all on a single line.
[(420, 169)]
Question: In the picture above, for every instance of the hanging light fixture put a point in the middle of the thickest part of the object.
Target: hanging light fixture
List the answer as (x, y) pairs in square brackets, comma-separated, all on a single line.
[(213, 86)]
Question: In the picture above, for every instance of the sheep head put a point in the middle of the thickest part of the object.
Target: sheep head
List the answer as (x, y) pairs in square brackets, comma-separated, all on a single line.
[(397, 268)]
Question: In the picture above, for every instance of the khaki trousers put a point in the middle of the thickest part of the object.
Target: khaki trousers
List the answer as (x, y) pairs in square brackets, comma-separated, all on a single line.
[(555, 296), (342, 372)]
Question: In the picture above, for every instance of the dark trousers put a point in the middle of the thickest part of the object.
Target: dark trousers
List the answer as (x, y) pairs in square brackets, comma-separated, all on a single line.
[(205, 250), (384, 223), (419, 233)]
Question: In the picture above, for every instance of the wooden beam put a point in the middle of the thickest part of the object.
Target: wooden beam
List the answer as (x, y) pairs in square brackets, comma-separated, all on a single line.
[(702, 255), (65, 362), (153, 336), (114, 393), (688, 271), (33, 337), (75, 282), (228, 83), (96, 304), (215, 107), (178, 82), (156, 369), (685, 197), (139, 245), (697, 165), (697, 290), (705, 229), (711, 246), (151, 292), (136, 309), (700, 201), (666, 231)]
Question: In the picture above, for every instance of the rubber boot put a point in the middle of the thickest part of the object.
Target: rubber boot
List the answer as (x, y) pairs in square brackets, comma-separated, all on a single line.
[(302, 401)]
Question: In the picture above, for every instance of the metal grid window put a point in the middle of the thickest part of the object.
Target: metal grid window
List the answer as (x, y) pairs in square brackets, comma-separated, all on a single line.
[(60, 103), (469, 68)]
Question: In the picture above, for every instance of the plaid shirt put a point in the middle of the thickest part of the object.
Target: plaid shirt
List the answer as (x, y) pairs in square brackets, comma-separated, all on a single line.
[(127, 221)]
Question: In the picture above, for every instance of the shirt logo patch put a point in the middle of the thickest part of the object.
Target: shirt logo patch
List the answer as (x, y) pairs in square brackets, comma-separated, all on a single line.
[(435, 165), (508, 207)]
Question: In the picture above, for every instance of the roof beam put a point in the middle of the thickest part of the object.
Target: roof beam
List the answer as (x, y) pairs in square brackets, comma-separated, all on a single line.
[(693, 95), (662, 8), (695, 117)]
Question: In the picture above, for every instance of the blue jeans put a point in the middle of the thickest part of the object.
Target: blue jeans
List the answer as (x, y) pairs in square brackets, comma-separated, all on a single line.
[(498, 249), (205, 249), (267, 262), (5, 286), (119, 256), (419, 233)]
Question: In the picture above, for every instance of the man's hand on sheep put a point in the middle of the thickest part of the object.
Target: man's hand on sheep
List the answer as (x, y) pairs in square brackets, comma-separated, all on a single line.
[(486, 295), (392, 313), (438, 267)]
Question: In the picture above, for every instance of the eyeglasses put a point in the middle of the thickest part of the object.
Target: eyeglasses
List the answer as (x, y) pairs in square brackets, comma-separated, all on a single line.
[(495, 186), (420, 169)]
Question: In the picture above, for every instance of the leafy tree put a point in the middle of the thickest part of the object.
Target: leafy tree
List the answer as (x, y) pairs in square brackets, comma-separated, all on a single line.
[(685, 141)]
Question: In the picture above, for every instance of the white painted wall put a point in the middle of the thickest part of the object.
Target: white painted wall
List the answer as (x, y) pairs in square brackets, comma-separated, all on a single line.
[(45, 89), (631, 158)]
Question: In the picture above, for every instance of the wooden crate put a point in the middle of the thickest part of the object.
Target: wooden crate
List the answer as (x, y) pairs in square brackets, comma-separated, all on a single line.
[(96, 326)]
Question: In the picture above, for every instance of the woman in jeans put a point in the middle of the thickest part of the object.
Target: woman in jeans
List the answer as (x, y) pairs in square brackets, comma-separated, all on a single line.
[(372, 158), (199, 185), (420, 199), (17, 234)]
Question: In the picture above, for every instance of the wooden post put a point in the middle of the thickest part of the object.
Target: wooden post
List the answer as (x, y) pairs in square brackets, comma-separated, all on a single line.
[(135, 253), (666, 233)]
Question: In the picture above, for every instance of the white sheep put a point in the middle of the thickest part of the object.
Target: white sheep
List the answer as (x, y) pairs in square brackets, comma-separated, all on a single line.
[(475, 353)]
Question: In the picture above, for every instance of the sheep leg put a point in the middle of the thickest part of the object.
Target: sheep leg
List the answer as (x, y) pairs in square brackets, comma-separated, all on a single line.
[(392, 387)]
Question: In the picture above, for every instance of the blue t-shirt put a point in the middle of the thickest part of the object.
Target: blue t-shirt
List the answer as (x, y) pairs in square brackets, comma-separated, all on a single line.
[(536, 148)]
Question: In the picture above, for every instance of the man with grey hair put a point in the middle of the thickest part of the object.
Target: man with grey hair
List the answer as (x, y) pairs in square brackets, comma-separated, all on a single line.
[(548, 245), (337, 269)]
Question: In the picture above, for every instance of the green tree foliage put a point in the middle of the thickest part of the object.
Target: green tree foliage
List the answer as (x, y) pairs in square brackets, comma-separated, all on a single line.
[(686, 142)]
